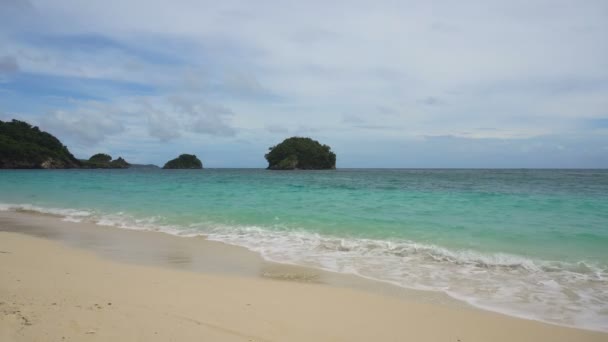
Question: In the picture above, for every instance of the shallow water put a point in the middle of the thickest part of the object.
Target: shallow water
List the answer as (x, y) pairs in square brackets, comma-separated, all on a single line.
[(531, 243)]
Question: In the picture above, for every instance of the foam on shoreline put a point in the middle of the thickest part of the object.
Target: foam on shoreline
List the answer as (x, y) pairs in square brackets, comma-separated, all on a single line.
[(571, 294)]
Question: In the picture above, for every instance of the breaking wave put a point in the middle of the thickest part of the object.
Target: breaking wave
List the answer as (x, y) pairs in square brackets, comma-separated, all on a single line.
[(559, 292)]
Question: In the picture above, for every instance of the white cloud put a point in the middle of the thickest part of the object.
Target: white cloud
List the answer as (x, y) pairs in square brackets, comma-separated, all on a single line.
[(88, 125), (161, 125), (277, 129), (163, 118), (399, 70), (203, 117)]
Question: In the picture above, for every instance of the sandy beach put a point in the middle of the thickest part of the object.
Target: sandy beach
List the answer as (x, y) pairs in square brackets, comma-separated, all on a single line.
[(53, 291)]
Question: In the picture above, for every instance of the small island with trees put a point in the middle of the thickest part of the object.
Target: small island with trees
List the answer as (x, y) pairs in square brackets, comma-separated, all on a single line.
[(184, 161), (23, 146), (104, 161), (298, 153)]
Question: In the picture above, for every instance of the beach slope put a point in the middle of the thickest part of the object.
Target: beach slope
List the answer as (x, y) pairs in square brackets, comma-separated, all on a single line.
[(50, 292)]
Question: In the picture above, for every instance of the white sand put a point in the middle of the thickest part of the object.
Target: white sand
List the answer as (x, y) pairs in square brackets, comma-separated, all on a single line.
[(50, 292)]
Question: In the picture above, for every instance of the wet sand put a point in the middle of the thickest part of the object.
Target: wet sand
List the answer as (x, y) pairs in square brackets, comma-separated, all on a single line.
[(78, 281), (192, 254)]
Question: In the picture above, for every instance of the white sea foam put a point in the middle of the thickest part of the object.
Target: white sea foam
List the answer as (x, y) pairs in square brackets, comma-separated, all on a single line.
[(565, 293), (73, 215), (573, 294)]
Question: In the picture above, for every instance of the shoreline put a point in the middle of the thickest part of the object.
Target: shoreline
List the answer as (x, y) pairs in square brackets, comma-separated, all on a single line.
[(201, 253), (321, 295), (196, 254), (423, 230)]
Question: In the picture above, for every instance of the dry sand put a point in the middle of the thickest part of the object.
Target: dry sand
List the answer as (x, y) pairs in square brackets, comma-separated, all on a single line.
[(53, 292)]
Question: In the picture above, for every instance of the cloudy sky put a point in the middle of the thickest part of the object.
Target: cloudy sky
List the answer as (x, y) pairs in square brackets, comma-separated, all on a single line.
[(385, 83)]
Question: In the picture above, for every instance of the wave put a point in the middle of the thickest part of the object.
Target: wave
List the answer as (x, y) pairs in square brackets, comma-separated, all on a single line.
[(559, 292), (74, 215)]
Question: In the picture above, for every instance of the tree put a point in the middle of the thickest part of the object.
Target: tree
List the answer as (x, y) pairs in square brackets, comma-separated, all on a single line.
[(184, 161), (104, 161), (300, 153), (23, 146), (100, 158), (120, 163)]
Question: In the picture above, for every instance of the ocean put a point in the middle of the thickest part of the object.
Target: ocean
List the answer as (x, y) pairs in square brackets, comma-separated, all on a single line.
[(528, 243)]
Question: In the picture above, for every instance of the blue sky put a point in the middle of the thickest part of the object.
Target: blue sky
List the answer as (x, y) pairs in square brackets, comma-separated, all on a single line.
[(385, 83)]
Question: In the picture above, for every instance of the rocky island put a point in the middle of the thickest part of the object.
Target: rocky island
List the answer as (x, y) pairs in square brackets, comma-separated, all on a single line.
[(184, 161), (297, 153), (104, 161), (23, 146)]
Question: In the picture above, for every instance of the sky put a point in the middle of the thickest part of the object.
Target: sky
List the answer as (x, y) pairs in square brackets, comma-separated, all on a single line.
[(415, 84)]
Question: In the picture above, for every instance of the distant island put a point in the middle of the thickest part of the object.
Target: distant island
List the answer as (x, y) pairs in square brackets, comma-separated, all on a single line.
[(23, 146), (297, 153), (184, 161), (104, 161), (143, 166)]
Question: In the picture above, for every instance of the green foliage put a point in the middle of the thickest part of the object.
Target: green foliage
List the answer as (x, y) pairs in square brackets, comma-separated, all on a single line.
[(24, 146), (184, 161), (120, 163), (104, 161), (100, 158), (300, 153)]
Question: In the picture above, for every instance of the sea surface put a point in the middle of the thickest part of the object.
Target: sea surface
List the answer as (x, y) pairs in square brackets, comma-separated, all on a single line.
[(529, 243)]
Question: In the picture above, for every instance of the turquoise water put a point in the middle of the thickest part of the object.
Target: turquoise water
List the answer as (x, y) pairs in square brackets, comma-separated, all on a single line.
[(531, 243)]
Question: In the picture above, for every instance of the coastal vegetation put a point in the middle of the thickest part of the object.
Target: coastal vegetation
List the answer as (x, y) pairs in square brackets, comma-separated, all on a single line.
[(184, 161), (23, 146), (301, 154), (104, 161)]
